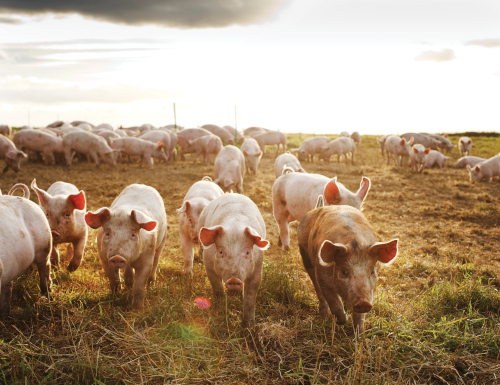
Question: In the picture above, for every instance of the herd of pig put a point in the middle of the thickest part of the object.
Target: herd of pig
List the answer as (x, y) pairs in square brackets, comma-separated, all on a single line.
[(339, 249)]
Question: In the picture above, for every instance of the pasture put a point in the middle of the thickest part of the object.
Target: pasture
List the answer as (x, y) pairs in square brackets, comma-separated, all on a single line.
[(436, 311)]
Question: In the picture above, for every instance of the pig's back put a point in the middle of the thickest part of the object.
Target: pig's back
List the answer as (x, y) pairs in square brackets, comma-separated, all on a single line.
[(143, 198)]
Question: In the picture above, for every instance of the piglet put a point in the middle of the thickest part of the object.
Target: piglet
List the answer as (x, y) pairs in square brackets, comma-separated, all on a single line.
[(252, 153), (197, 198), (132, 233), (398, 148), (145, 149), (435, 158), (10, 154), (468, 160), (418, 154), (232, 232), (296, 194), (485, 170), (229, 169), (64, 206), (25, 238), (287, 162), (465, 145), (341, 254)]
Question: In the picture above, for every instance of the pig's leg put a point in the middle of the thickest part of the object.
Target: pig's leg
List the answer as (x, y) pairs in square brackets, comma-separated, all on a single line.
[(358, 320), (79, 247), (325, 285), (112, 273), (149, 161), (250, 295), (139, 290), (213, 277), (159, 249), (5, 296), (187, 250), (196, 156), (239, 187), (207, 158), (324, 310), (68, 155), (128, 276), (54, 256), (281, 215), (95, 158)]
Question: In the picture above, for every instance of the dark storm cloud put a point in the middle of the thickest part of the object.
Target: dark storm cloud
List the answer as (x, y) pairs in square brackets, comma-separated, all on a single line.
[(170, 13), (487, 43), (437, 56)]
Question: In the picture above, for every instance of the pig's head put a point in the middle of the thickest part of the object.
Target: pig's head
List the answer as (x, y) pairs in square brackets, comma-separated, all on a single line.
[(419, 152), (475, 173), (235, 247), (434, 144), (189, 214), (336, 194), (13, 159), (252, 160), (355, 269), (406, 145), (60, 211), (226, 184), (302, 154), (124, 235)]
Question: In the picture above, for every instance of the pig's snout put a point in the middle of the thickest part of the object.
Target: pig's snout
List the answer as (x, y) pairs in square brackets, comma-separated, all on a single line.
[(55, 235), (117, 262), (362, 307), (234, 284)]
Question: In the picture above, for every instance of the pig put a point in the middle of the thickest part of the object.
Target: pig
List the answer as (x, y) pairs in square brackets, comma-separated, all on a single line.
[(468, 160), (10, 154), (197, 198), (342, 257), (356, 138), (398, 148), (25, 238), (189, 134), (208, 145), (485, 170), (39, 141), (340, 146), (90, 144), (344, 134), (252, 132), (311, 147), (381, 143), (422, 139), (146, 127), (67, 130), (56, 124), (104, 126), (444, 142), (83, 124), (418, 155), (139, 147), (295, 194), (238, 136), (108, 135), (286, 161), (435, 158), (272, 138), (252, 153), (156, 136), (223, 134), (64, 206), (5, 130), (229, 169), (132, 234), (232, 234), (465, 146)]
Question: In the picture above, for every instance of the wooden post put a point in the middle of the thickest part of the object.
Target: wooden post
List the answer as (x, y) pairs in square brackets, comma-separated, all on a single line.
[(235, 125), (175, 119)]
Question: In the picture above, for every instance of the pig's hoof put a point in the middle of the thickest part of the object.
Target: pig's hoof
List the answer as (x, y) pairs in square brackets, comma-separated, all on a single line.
[(72, 267), (286, 248), (279, 242), (341, 319)]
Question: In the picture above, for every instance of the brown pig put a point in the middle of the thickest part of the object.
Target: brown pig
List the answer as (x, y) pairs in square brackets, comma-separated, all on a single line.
[(341, 254)]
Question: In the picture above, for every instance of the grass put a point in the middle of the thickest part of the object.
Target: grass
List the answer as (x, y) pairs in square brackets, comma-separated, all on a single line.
[(435, 317)]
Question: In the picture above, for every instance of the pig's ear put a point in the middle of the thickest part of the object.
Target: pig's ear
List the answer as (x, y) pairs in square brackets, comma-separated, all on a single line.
[(415, 150), (160, 144), (470, 141), (364, 187), (461, 141), (257, 240), (330, 252), (427, 150), (412, 140), (384, 252), (245, 153), (185, 207), (259, 154), (208, 234), (478, 168), (332, 192), (43, 196), (143, 220), (402, 142), (320, 202), (78, 200), (97, 219)]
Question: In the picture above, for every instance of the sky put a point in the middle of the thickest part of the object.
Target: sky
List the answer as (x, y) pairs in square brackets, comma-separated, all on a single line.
[(372, 66)]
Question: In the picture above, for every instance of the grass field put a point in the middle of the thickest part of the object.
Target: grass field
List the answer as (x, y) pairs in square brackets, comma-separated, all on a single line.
[(436, 312)]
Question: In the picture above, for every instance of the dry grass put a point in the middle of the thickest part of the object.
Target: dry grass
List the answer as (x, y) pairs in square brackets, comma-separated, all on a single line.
[(435, 319)]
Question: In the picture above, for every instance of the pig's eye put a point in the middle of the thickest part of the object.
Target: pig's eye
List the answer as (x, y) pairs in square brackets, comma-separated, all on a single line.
[(47, 215), (107, 233), (374, 273), (133, 235), (190, 220), (67, 215), (220, 253), (344, 273)]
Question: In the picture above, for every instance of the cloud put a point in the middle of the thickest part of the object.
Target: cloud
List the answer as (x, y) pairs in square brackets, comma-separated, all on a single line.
[(183, 14), (437, 56), (9, 20), (486, 43)]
